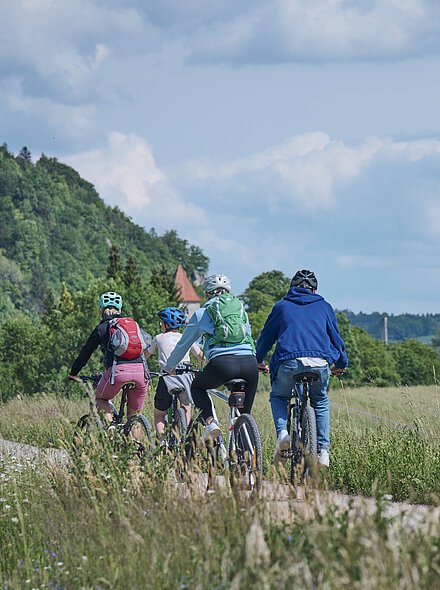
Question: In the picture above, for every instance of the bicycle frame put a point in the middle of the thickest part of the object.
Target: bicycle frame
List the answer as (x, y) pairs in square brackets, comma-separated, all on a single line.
[(297, 404), (234, 413)]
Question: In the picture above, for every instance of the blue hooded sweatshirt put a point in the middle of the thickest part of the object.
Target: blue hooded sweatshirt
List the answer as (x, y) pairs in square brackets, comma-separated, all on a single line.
[(302, 324)]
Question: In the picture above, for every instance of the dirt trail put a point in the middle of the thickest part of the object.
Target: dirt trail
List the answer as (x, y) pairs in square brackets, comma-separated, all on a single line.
[(282, 500)]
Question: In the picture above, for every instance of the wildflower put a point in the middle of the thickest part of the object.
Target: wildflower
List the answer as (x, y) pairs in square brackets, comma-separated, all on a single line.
[(14, 520)]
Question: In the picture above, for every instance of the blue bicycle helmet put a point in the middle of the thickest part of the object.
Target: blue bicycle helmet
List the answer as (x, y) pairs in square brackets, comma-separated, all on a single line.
[(172, 316), (110, 299)]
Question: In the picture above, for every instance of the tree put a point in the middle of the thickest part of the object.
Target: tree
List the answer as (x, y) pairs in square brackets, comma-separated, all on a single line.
[(162, 281), (25, 155), (416, 363), (264, 290), (131, 273), (114, 263)]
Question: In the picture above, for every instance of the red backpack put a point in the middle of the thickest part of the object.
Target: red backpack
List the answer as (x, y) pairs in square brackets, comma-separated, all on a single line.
[(126, 339)]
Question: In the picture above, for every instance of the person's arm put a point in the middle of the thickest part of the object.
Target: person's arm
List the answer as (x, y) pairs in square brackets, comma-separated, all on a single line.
[(87, 350), (197, 352), (199, 324), (336, 340), (268, 335), (151, 349)]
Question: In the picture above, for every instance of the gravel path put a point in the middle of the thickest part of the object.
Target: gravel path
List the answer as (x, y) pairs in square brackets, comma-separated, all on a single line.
[(283, 500)]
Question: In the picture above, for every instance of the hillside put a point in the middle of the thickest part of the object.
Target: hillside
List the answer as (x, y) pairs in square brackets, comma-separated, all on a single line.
[(55, 228), (400, 327)]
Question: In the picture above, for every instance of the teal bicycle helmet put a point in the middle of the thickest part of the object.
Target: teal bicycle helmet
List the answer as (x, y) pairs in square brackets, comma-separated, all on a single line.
[(110, 299)]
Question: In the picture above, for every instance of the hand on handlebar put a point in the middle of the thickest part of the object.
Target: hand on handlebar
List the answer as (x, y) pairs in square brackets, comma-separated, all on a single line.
[(263, 367), (74, 378), (337, 372)]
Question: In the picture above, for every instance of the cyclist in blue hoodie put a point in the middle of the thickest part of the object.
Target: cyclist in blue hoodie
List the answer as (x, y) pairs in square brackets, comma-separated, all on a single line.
[(304, 327)]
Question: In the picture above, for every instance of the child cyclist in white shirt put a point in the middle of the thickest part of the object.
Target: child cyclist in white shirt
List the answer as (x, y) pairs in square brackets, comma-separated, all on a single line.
[(172, 319)]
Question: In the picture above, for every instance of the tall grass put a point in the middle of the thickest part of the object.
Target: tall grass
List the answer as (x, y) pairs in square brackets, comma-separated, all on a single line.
[(387, 439), (112, 522)]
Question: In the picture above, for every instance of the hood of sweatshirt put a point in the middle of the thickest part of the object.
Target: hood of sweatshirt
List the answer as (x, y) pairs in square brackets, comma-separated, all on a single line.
[(302, 296)]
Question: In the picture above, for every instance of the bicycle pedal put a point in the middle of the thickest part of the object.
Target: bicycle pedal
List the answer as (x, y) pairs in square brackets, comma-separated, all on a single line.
[(287, 453)]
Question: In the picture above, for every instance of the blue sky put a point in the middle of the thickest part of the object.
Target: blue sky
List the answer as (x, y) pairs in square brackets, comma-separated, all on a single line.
[(278, 134)]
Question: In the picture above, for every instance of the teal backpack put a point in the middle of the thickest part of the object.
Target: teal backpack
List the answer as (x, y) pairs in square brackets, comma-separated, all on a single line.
[(230, 322)]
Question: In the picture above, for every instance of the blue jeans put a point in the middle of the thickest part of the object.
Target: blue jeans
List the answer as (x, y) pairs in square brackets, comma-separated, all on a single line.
[(282, 391)]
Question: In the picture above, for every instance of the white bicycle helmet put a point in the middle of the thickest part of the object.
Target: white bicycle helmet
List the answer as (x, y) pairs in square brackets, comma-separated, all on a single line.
[(214, 282)]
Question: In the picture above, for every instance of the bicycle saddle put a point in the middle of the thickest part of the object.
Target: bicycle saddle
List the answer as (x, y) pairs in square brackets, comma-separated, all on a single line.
[(235, 385), (308, 377)]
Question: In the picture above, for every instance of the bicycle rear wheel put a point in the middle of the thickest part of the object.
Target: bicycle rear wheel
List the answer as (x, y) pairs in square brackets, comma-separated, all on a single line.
[(179, 429), (309, 440), (137, 431), (246, 459)]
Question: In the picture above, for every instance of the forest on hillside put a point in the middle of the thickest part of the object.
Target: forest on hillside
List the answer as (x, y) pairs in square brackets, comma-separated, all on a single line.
[(55, 229)]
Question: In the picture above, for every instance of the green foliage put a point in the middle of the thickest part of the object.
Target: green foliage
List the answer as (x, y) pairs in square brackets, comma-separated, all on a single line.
[(416, 363), (400, 327), (54, 228), (264, 290)]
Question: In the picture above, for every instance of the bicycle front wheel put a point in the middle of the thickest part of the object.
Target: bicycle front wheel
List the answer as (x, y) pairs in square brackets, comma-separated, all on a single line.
[(137, 430), (246, 459), (86, 428)]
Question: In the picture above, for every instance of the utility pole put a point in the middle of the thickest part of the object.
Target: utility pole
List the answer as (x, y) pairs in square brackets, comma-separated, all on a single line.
[(385, 329)]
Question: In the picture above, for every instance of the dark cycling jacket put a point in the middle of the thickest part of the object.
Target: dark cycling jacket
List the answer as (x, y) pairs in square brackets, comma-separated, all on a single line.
[(302, 324), (100, 337)]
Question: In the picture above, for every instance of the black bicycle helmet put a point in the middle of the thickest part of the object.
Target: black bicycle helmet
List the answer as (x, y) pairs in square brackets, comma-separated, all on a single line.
[(305, 279)]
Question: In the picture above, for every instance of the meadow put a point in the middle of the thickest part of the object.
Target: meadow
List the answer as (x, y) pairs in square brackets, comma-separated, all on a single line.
[(110, 521)]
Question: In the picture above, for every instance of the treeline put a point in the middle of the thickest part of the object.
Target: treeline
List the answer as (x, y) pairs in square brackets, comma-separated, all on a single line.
[(54, 229), (407, 362), (38, 349), (400, 327)]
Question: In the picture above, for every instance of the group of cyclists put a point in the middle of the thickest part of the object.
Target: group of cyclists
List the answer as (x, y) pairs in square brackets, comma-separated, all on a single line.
[(302, 326)]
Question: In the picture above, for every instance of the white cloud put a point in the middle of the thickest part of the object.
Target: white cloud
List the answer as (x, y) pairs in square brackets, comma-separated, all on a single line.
[(125, 174), (67, 120), (323, 31), (306, 172), (56, 48)]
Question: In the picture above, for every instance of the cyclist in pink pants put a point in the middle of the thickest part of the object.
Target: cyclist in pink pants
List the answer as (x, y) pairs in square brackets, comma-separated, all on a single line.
[(119, 371)]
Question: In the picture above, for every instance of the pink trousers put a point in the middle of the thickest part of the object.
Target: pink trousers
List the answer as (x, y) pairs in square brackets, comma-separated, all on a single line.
[(125, 373)]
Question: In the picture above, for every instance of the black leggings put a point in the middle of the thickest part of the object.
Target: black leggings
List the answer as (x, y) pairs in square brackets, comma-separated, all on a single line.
[(219, 370)]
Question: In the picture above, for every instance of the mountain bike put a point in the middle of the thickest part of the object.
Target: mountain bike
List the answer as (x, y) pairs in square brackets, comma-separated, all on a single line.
[(136, 429), (301, 424), (242, 455), (176, 419)]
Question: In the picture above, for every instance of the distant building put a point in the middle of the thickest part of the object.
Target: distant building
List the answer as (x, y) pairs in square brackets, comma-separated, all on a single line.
[(189, 298)]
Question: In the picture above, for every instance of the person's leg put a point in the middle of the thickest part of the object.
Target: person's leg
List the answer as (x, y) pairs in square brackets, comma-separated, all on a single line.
[(320, 402), (281, 393), (216, 372), (134, 372), (106, 391), (162, 401), (248, 370)]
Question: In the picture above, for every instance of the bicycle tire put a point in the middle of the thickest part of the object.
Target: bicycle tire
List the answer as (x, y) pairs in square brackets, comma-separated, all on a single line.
[(85, 428), (179, 429), (141, 439), (204, 457), (309, 439), (246, 460)]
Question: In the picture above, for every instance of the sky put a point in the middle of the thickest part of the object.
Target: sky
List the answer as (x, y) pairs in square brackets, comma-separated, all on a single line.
[(274, 134)]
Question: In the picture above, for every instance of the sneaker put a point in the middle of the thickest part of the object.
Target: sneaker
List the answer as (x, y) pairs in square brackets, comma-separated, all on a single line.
[(323, 458), (283, 443), (212, 430)]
